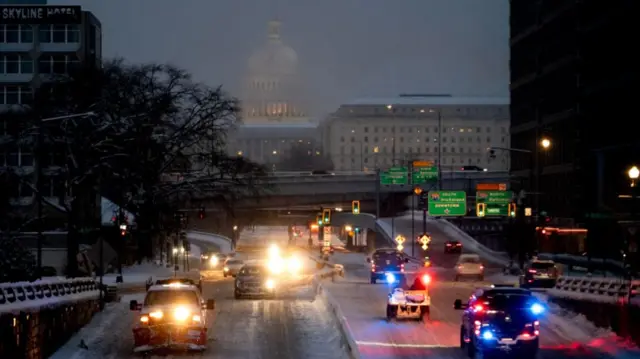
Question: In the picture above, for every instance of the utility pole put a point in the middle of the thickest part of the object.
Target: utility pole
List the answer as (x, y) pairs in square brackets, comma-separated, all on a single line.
[(377, 193), (439, 150), (39, 185), (412, 196)]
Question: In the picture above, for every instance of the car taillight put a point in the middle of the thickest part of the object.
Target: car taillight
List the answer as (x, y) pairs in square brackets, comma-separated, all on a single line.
[(373, 267), (448, 244), (533, 271), (459, 245), (401, 267), (477, 324), (481, 267), (460, 266)]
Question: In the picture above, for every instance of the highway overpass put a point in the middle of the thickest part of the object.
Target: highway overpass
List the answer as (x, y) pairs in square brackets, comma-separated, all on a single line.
[(302, 188)]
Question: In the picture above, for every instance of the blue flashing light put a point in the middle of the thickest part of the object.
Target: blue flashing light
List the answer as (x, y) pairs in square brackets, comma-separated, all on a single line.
[(390, 278), (537, 308), (487, 335)]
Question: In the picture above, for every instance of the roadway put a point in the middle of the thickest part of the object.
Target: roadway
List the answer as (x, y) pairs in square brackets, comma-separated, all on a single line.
[(292, 326), (363, 305)]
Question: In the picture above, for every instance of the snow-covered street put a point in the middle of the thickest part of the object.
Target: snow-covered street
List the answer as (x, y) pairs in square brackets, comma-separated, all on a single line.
[(295, 325)]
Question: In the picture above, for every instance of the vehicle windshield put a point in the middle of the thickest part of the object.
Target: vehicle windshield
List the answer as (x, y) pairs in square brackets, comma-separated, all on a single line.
[(170, 297), (250, 271), (543, 265), (234, 261), (393, 257), (502, 302), (470, 260)]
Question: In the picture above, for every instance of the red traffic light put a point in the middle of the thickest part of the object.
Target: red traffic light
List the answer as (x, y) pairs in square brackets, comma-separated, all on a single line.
[(123, 233)]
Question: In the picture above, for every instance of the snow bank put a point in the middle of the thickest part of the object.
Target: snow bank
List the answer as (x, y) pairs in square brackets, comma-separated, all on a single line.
[(101, 334), (224, 243)]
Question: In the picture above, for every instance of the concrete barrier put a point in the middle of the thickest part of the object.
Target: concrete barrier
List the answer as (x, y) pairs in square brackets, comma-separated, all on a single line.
[(347, 333), (597, 289)]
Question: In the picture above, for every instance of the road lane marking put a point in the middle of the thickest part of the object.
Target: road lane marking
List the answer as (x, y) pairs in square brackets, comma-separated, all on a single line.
[(398, 345)]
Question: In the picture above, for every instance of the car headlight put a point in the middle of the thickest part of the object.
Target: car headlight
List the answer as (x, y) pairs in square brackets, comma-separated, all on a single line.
[(274, 251), (270, 284), (226, 269), (294, 265), (213, 261), (275, 266), (156, 315), (181, 314)]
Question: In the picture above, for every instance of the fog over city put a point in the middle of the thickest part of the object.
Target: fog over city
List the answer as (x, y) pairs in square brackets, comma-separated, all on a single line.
[(346, 49)]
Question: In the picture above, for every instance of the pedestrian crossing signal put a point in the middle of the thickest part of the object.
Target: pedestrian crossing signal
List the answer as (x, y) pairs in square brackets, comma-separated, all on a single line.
[(355, 207), (481, 209), (326, 216), (512, 209)]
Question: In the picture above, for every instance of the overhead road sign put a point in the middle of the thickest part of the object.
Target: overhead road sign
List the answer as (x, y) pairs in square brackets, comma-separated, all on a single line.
[(491, 187), (394, 175), (447, 203), (493, 203)]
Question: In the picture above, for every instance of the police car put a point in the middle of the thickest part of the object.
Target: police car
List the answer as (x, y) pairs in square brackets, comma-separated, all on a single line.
[(172, 316), (500, 320)]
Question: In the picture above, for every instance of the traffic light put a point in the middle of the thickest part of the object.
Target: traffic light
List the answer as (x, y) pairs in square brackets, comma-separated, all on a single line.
[(326, 216), (357, 229), (481, 209), (319, 220), (512, 209), (123, 230), (202, 213), (355, 207)]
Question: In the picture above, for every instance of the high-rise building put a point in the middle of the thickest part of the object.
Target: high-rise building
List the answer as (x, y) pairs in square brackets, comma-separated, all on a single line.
[(377, 133), (28, 53), (574, 81)]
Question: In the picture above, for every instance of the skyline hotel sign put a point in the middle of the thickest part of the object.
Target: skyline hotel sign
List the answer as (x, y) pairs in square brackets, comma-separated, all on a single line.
[(39, 15)]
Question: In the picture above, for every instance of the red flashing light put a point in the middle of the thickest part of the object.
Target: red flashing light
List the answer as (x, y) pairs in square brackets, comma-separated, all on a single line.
[(478, 308), (426, 279)]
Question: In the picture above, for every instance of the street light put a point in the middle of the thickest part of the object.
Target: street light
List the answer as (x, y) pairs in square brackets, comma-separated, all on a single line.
[(545, 143), (633, 174), (39, 183)]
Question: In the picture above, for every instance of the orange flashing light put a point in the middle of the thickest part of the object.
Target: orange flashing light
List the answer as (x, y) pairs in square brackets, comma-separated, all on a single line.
[(545, 230)]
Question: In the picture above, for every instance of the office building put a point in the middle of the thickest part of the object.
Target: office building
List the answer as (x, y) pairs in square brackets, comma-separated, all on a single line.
[(378, 133), (574, 80), (30, 52)]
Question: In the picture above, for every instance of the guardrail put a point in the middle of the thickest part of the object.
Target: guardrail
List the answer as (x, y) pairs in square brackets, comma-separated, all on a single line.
[(597, 289), (32, 296)]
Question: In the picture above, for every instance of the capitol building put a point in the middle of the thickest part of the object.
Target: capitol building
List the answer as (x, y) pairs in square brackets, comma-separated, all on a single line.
[(275, 126)]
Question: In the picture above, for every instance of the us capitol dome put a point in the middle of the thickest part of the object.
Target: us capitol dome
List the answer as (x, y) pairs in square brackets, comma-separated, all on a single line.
[(272, 91), (275, 122)]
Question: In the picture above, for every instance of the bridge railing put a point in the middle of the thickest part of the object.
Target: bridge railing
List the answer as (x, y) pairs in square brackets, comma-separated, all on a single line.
[(32, 296), (597, 289)]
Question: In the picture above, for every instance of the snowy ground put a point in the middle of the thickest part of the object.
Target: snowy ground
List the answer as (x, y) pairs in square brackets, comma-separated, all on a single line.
[(295, 325), (221, 242)]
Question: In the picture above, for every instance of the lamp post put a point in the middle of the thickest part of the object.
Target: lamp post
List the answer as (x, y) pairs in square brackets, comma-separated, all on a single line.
[(633, 175), (39, 183)]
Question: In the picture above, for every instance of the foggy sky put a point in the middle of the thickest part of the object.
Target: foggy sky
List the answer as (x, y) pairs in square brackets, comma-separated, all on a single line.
[(347, 48)]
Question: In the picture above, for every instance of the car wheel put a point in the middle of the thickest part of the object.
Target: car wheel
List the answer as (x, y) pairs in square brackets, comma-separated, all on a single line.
[(425, 313), (471, 348), (390, 312), (236, 295)]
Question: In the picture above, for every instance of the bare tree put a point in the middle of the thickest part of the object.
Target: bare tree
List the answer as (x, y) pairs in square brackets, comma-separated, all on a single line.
[(150, 120)]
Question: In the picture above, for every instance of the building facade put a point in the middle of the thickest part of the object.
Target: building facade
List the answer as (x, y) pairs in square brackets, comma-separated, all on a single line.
[(378, 133), (28, 55), (574, 85), (275, 127)]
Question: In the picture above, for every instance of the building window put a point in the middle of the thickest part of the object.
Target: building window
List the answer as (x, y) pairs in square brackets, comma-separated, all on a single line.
[(59, 34), (56, 64), (13, 34), (16, 64), (15, 95)]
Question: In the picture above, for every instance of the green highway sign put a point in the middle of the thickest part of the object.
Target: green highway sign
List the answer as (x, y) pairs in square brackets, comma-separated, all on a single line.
[(497, 202), (498, 197), (394, 175), (447, 203), (424, 174)]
